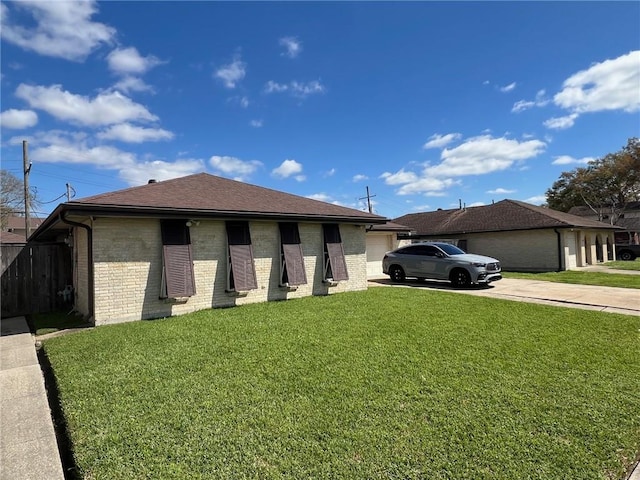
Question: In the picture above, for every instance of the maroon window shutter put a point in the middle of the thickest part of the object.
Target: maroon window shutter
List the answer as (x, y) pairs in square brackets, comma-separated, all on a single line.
[(243, 271), (294, 262), (337, 261), (178, 271)]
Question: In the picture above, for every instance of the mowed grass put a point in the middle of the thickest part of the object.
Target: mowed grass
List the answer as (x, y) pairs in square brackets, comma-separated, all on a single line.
[(386, 383), (602, 279), (624, 265)]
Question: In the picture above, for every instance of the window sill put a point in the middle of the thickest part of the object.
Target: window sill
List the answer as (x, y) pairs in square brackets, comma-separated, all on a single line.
[(330, 282), (236, 293), (288, 288)]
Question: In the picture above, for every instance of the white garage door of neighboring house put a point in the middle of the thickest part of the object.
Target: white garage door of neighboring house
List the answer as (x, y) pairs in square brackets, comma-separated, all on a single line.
[(377, 246)]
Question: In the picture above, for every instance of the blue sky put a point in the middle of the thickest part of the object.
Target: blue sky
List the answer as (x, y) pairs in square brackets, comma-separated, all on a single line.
[(428, 104)]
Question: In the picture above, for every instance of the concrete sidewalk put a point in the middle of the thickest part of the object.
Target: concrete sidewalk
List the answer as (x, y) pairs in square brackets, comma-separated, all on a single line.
[(605, 299), (28, 445)]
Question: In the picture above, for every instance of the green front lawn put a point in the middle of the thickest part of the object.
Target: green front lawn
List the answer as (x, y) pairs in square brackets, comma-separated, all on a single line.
[(601, 279), (387, 383), (624, 265)]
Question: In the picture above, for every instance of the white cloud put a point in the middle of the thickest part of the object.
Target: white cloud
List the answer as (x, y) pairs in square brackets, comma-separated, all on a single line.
[(360, 178), (140, 173), (608, 85), (295, 88), (508, 88), (399, 177), (244, 102), (428, 186), (476, 204), (73, 147), (132, 84), (500, 191), (128, 61), (561, 123), (330, 173), (540, 101), (105, 109), (438, 141), (292, 46), (421, 208), (256, 123), (18, 119), (287, 169), (537, 200), (412, 183), (568, 160), (62, 29), (484, 154), (125, 132), (323, 197), (234, 167), (232, 73)]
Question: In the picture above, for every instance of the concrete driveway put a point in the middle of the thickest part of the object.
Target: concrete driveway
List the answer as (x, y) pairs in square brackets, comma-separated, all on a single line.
[(604, 299)]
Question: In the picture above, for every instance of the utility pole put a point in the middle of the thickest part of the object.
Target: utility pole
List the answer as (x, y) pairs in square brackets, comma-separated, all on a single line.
[(368, 197), (27, 203)]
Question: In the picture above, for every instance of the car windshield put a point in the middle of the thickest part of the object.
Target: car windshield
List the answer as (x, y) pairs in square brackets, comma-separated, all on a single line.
[(450, 249)]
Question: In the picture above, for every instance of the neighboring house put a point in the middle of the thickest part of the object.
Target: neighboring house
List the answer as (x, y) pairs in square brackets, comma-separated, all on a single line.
[(10, 238), (628, 219), (523, 237), (202, 241), (380, 240), (18, 225)]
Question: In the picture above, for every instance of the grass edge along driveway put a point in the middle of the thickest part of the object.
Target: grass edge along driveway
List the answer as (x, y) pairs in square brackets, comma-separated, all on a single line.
[(385, 383)]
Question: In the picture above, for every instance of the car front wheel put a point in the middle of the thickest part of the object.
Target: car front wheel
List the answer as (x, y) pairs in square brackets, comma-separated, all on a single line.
[(396, 273), (460, 278)]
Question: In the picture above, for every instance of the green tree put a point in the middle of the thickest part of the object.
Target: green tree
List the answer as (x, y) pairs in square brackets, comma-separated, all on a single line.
[(605, 185)]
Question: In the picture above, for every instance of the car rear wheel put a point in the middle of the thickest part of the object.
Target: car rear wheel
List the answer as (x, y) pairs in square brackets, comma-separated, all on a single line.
[(627, 255), (460, 278), (397, 274)]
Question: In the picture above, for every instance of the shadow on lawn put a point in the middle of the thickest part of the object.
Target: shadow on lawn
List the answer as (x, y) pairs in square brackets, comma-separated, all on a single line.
[(431, 284)]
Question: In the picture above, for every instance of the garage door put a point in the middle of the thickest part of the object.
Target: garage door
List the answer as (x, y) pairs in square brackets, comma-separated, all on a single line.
[(377, 246)]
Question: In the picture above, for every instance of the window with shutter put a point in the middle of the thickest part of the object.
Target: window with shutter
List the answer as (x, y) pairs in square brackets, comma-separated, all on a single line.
[(292, 270), (178, 279), (335, 265), (241, 273)]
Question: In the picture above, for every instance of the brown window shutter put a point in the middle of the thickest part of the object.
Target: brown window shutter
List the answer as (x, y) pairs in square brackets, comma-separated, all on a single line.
[(337, 261), (178, 271), (294, 261), (244, 274)]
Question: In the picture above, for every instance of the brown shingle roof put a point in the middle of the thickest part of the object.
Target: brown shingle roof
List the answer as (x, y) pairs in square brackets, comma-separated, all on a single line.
[(505, 215), (18, 223), (201, 196), (10, 237), (207, 193)]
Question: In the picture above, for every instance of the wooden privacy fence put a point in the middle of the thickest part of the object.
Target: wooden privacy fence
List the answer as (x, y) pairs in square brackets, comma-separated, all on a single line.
[(34, 278)]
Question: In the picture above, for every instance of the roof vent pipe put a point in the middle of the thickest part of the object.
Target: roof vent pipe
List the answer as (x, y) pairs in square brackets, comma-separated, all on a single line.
[(152, 180)]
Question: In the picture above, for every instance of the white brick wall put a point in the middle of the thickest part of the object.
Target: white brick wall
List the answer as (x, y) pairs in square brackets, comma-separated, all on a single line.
[(128, 267)]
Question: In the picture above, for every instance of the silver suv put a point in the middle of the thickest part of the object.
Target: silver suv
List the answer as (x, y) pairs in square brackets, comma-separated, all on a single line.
[(440, 261)]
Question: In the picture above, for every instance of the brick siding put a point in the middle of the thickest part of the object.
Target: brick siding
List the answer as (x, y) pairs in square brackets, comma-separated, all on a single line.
[(128, 267)]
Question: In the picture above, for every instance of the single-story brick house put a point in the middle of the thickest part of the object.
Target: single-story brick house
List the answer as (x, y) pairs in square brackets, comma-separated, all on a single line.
[(202, 241), (522, 236)]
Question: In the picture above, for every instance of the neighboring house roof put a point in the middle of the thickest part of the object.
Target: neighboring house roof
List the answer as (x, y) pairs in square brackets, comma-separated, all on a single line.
[(206, 196), (631, 224), (18, 223), (585, 211), (389, 227), (506, 215), (10, 237)]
